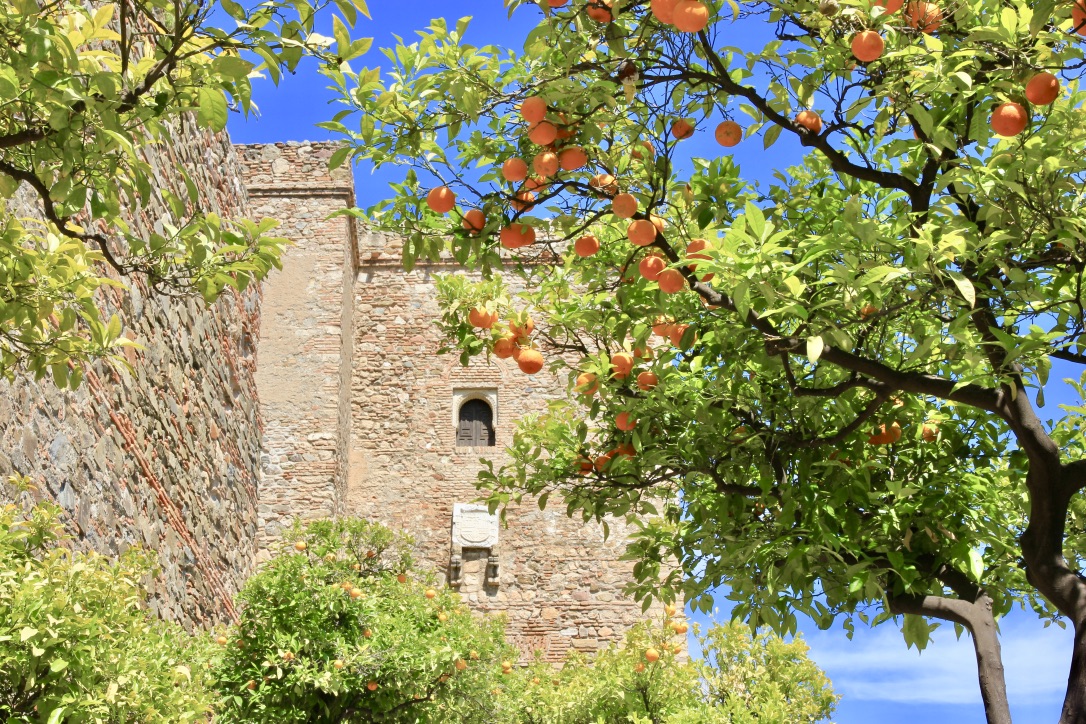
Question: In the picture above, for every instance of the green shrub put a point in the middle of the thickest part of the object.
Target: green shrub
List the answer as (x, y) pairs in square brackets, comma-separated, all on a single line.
[(76, 642), (344, 631)]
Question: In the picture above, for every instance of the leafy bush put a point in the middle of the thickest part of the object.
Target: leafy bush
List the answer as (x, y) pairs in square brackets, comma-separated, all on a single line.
[(76, 642), (338, 628), (743, 679)]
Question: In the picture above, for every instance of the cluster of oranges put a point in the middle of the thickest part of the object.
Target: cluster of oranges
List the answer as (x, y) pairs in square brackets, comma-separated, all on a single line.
[(1009, 118), (515, 342)]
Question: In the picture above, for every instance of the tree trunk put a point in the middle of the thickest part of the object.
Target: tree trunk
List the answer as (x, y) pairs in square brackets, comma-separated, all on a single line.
[(1074, 701), (977, 618), (993, 684)]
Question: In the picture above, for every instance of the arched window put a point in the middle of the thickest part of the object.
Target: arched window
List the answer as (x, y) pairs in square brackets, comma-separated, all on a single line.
[(475, 424)]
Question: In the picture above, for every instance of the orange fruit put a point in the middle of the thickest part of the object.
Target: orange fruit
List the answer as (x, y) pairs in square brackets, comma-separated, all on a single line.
[(371, 685), (651, 266), (530, 361), (930, 432), (479, 317), (624, 422), (556, 3), (603, 460), (515, 170), (624, 206), (809, 120), (504, 347), (356, 593), (584, 466), (924, 16), (868, 310), (604, 183), (441, 200), (1009, 119), (646, 381), (443, 617), (892, 6), (658, 222), (401, 578), (522, 329), (430, 593), (515, 236), (474, 221), (671, 281), (867, 46), (1078, 17), (460, 663), (586, 384), (652, 655), (661, 327), (641, 232), (642, 352), (663, 10), (300, 546), (600, 10), (573, 158), (337, 664), (621, 365), (221, 640), (523, 201), (638, 153), (586, 246), (886, 435), (1042, 89), (682, 128), (543, 133), (675, 334), (250, 685), (690, 16), (535, 184), (670, 609), (545, 163), (533, 109), (728, 134)]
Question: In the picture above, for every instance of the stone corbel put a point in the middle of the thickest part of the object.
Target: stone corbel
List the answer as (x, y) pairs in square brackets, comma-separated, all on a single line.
[(492, 567), (456, 565)]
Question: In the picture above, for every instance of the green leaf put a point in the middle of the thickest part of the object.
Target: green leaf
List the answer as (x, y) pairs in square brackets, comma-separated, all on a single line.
[(212, 111), (57, 665), (965, 287), (815, 345), (27, 633)]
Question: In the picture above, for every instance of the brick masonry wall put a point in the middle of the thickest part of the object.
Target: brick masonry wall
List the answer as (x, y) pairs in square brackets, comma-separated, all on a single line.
[(305, 354), (560, 581), (164, 458)]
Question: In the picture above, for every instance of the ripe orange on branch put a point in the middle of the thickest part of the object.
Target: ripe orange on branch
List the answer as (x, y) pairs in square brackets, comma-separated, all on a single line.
[(621, 365), (517, 235), (441, 200), (682, 128), (601, 10), (641, 232), (543, 133), (690, 16), (885, 434), (892, 6), (809, 120), (651, 266), (624, 206), (646, 381), (1078, 17), (586, 246), (515, 170), (728, 134), (479, 317), (1042, 89), (474, 221), (1009, 119), (533, 109), (624, 422), (504, 347), (924, 16), (671, 281), (586, 384), (664, 10), (572, 159), (867, 46), (545, 163), (604, 183)]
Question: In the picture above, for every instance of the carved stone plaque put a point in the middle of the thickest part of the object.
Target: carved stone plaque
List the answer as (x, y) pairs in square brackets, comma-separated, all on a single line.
[(474, 526)]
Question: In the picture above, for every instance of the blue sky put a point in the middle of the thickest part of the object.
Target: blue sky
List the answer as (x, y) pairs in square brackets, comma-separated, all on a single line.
[(880, 680)]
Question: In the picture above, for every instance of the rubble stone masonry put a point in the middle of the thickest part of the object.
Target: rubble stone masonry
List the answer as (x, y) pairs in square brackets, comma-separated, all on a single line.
[(165, 458)]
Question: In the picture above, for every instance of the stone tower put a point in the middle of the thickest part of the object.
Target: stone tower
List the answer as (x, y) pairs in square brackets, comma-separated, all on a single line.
[(362, 416)]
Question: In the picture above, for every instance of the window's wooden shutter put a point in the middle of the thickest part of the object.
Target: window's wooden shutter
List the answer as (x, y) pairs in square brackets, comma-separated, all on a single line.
[(475, 426)]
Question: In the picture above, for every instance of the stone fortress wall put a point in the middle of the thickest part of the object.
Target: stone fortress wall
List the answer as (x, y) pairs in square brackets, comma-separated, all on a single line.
[(205, 455), (165, 458), (558, 580)]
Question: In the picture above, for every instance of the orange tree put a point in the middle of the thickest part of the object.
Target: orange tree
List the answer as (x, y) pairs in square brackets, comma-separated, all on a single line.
[(77, 643), (831, 379), (340, 628), (740, 678)]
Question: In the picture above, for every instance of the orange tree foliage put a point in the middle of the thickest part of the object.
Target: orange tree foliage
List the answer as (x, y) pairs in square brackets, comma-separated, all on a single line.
[(849, 357)]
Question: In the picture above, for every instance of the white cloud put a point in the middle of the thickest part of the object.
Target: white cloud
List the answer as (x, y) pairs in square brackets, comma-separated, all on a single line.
[(876, 666)]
